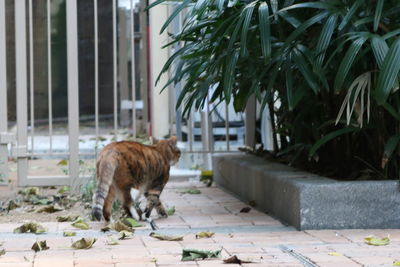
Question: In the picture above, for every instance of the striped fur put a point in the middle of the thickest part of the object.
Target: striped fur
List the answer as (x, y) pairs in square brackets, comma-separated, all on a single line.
[(125, 165)]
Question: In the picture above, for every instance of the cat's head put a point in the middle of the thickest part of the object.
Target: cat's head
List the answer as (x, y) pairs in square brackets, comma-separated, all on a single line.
[(169, 148)]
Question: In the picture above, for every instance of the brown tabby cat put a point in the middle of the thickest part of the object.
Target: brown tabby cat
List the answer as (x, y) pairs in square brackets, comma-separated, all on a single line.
[(125, 166)]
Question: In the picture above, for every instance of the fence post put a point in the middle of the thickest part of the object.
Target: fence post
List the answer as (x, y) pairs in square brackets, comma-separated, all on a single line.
[(3, 96), (73, 91), (21, 84)]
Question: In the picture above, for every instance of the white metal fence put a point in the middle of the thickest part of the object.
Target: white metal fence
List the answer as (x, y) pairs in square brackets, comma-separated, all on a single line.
[(201, 134)]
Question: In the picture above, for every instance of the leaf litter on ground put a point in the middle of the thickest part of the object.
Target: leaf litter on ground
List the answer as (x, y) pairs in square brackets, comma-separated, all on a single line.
[(81, 224), (30, 227), (166, 237), (30, 191), (125, 235), (117, 226), (376, 241), (49, 209), (204, 234), (192, 191), (84, 243), (171, 211), (196, 254), (235, 260), (66, 234), (131, 222), (39, 246), (335, 254), (245, 210), (69, 218)]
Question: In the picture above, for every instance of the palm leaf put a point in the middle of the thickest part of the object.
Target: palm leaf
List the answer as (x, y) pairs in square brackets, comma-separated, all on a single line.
[(247, 15), (347, 62), (265, 30), (388, 74), (350, 14), (325, 38), (378, 14)]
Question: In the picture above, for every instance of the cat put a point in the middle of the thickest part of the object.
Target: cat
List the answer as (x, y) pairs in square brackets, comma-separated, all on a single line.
[(125, 168)]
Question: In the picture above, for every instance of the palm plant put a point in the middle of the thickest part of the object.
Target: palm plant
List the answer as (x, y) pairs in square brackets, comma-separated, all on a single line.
[(328, 71)]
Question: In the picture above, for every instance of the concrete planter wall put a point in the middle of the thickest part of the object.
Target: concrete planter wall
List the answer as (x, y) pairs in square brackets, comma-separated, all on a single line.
[(309, 201)]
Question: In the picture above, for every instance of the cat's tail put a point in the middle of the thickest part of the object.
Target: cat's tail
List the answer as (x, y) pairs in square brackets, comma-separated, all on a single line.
[(105, 174)]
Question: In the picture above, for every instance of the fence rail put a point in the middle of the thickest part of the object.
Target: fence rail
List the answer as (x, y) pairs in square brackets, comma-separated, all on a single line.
[(38, 136)]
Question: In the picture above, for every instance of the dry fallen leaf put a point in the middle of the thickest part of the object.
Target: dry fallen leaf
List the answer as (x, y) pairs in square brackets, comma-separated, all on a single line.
[(84, 243), (125, 235), (49, 209), (2, 252), (69, 234), (245, 210), (235, 260), (335, 254), (375, 241), (166, 237), (117, 226), (195, 254), (39, 246), (396, 263), (81, 224), (69, 218), (30, 191), (30, 227), (192, 191), (131, 222), (205, 234)]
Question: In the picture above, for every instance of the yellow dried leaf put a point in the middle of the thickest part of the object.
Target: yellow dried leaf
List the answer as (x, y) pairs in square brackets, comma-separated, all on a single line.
[(84, 243), (204, 234), (39, 246), (376, 241), (69, 234), (81, 224), (335, 254), (166, 237)]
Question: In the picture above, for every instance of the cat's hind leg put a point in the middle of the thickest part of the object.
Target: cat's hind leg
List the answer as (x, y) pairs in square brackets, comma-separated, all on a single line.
[(153, 201), (107, 208), (129, 205)]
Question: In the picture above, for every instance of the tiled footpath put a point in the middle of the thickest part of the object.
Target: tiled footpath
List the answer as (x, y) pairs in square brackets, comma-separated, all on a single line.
[(251, 236)]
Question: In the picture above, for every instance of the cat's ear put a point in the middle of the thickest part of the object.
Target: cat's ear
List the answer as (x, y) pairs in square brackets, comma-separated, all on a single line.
[(173, 140), (153, 140)]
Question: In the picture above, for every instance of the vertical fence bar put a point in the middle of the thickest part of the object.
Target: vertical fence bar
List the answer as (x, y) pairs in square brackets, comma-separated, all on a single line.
[(227, 126), (21, 85), (190, 131), (73, 91), (49, 74), (3, 94), (96, 74), (115, 77), (31, 77), (133, 76)]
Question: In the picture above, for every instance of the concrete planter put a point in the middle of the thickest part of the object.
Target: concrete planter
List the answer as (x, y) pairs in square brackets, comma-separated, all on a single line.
[(309, 201)]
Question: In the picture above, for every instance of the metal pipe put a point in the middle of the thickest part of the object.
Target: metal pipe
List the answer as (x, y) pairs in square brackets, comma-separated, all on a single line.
[(73, 91), (96, 74), (49, 71), (31, 76), (133, 76), (115, 77)]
